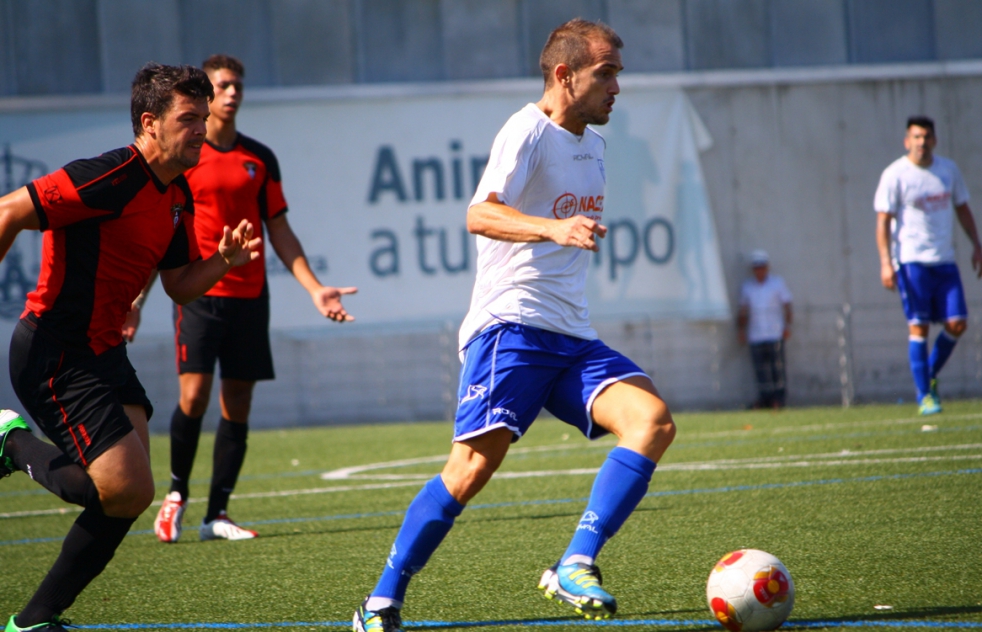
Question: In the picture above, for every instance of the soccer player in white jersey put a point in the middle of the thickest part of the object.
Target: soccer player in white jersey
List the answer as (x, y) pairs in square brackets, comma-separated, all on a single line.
[(917, 201), (527, 342)]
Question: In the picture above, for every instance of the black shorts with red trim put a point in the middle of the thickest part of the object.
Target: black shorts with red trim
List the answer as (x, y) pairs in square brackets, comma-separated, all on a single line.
[(75, 397), (234, 331)]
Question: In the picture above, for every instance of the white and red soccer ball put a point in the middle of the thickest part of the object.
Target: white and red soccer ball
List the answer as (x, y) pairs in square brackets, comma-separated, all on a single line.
[(749, 591)]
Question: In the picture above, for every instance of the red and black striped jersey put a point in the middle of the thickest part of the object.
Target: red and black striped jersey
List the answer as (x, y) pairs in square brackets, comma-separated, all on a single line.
[(107, 223), (230, 185)]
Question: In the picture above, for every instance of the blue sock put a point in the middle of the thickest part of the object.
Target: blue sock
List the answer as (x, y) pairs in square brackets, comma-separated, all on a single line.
[(917, 349), (944, 344), (620, 485), (427, 522)]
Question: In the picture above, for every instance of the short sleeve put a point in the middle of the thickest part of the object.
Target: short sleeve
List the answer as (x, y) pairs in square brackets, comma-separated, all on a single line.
[(744, 296), (272, 203), (57, 202), (183, 247), (959, 192), (783, 292), (508, 166), (887, 198)]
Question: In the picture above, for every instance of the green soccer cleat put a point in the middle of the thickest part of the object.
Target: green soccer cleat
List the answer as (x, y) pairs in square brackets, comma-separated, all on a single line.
[(57, 624), (9, 420), (384, 620), (929, 405), (579, 586), (934, 390)]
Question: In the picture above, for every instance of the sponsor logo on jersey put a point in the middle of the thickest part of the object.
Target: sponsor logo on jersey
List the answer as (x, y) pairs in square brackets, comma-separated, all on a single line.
[(250, 168), (474, 391), (119, 179), (579, 157), (567, 205), (52, 194)]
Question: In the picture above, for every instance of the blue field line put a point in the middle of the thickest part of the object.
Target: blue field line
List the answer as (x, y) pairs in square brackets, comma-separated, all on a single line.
[(615, 623), (561, 501)]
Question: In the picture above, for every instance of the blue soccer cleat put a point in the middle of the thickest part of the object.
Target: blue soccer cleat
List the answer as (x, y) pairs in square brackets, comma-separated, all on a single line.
[(9, 420), (579, 586), (929, 405), (384, 620)]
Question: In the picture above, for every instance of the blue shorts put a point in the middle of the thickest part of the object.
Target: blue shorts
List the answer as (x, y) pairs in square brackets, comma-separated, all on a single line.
[(931, 294), (511, 372)]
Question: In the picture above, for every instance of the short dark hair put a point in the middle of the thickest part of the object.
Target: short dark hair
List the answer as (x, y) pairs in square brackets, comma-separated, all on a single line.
[(921, 121), (154, 87), (569, 44), (217, 62)]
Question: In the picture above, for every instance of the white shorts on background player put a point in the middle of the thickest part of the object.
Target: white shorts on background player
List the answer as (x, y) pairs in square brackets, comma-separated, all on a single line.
[(540, 169), (923, 201)]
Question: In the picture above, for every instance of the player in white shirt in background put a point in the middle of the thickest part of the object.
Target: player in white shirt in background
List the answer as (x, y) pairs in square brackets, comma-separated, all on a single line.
[(917, 201), (527, 343), (764, 322)]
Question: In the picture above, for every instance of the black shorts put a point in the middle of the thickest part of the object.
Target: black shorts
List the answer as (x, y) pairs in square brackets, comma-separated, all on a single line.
[(235, 331), (75, 397)]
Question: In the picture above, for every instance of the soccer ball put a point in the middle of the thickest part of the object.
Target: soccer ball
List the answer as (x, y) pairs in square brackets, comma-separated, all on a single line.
[(750, 590)]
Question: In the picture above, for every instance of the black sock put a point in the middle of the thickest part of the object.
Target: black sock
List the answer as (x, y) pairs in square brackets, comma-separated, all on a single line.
[(52, 468), (184, 434), (88, 547), (230, 450)]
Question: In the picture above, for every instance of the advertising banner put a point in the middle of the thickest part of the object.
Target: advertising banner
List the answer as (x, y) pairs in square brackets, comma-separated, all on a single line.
[(378, 186)]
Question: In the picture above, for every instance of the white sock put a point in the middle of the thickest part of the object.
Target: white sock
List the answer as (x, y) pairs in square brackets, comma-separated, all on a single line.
[(578, 559), (374, 604)]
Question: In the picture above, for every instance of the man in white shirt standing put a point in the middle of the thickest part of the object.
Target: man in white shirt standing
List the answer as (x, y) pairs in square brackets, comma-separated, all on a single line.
[(527, 344), (764, 321), (916, 203)]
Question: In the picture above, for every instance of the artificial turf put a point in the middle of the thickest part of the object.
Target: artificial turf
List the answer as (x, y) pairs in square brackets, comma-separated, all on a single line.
[(868, 506)]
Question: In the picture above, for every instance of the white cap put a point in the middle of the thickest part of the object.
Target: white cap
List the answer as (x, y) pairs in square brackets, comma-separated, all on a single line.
[(759, 258)]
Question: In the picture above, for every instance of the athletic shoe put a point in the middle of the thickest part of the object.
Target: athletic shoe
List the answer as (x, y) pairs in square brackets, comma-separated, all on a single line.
[(57, 624), (579, 586), (384, 620), (934, 390), (929, 405), (167, 526), (9, 420), (221, 528)]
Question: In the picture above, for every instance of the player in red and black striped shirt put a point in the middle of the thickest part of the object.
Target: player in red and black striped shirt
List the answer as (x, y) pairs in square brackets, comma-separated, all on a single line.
[(237, 178), (108, 222)]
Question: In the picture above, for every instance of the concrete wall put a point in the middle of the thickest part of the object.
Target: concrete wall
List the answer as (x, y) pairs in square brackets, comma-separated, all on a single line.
[(90, 46)]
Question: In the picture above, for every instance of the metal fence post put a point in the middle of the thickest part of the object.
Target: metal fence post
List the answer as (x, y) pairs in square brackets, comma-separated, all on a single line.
[(844, 326)]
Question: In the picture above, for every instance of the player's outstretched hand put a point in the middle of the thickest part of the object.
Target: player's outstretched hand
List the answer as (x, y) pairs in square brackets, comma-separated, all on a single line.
[(238, 247), (131, 324), (578, 231), (888, 277), (977, 261), (328, 302)]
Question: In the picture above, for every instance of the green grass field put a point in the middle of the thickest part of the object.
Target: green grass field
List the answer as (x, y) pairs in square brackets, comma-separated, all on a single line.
[(866, 507)]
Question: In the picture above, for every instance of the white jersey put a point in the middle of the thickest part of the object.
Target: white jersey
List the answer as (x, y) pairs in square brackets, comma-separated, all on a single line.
[(923, 201), (765, 303), (540, 169)]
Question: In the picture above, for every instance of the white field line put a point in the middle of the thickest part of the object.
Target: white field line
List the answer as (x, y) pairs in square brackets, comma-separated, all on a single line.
[(844, 457)]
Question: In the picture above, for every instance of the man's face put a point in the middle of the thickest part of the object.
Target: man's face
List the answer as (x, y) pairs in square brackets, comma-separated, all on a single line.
[(919, 143), (760, 272), (181, 131), (228, 94), (595, 85)]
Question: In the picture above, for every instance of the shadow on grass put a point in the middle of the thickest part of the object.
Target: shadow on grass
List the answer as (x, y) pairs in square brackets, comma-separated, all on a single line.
[(881, 618)]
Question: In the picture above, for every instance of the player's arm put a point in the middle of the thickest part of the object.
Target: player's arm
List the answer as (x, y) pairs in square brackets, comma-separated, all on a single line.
[(132, 322), (788, 318), (888, 276), (188, 282), (743, 318), (965, 218), (495, 220), (16, 214), (288, 248)]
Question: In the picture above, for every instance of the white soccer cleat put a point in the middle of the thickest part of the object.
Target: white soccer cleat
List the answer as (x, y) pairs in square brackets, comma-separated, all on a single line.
[(221, 528), (167, 526)]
